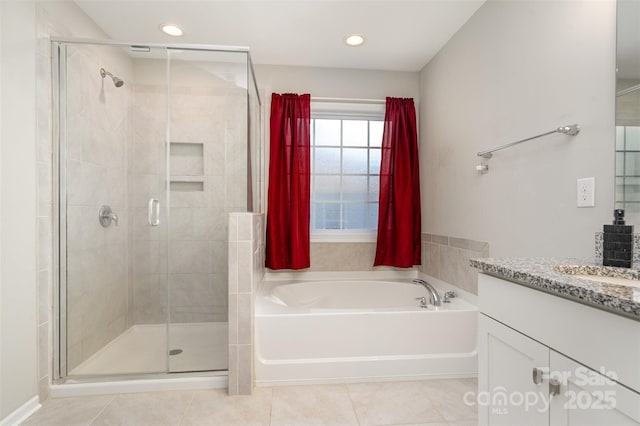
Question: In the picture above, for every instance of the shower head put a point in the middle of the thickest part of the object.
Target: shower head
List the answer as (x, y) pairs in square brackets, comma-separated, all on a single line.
[(118, 82)]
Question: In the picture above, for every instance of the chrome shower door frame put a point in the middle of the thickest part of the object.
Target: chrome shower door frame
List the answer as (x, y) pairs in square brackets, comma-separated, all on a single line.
[(59, 107), (60, 181)]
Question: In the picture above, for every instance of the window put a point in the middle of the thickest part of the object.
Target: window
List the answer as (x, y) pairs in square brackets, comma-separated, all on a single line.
[(345, 165)]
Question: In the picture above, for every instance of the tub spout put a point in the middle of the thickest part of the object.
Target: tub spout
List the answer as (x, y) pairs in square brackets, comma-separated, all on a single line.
[(433, 293)]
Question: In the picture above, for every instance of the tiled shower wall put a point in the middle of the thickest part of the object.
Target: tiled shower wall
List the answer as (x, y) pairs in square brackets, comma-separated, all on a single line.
[(208, 179), (96, 170), (148, 263), (206, 110), (45, 203), (447, 259), (246, 270)]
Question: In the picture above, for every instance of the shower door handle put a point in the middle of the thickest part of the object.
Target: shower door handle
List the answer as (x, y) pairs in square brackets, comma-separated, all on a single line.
[(153, 212)]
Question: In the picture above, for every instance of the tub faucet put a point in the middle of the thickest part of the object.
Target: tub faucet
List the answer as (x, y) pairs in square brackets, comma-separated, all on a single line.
[(435, 297), (448, 296)]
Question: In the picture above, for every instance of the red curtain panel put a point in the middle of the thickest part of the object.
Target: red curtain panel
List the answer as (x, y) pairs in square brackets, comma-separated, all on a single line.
[(398, 242), (289, 183)]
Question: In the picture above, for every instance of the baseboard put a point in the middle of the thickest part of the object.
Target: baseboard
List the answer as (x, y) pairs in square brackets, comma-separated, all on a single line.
[(21, 413), (351, 380)]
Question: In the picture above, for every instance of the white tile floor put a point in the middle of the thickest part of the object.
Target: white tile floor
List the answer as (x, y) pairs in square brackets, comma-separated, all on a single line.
[(432, 402)]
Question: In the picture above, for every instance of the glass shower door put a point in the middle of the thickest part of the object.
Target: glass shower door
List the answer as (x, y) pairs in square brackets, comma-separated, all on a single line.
[(149, 167), (208, 166), (152, 158), (112, 211)]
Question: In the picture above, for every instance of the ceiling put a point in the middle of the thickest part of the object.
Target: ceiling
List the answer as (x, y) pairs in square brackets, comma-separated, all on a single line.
[(401, 35)]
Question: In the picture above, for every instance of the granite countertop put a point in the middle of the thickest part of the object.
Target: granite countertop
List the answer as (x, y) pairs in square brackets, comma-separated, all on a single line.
[(554, 276)]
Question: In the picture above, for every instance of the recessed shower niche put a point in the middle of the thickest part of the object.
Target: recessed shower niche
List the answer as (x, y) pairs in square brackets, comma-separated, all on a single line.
[(187, 166), (162, 138), (187, 159)]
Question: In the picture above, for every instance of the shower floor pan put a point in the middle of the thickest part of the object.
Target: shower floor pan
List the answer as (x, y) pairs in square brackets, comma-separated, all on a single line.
[(142, 348)]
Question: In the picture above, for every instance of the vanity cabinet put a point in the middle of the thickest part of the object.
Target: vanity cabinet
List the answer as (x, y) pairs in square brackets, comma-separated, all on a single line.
[(507, 361), (547, 360), (587, 397)]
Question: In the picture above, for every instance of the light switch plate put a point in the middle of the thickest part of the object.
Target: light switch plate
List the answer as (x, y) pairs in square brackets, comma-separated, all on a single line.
[(586, 192)]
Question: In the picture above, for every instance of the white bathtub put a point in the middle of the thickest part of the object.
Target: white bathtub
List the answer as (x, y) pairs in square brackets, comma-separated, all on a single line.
[(353, 330)]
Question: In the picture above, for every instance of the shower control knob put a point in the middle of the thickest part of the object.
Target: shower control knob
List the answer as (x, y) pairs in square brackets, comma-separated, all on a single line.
[(106, 216)]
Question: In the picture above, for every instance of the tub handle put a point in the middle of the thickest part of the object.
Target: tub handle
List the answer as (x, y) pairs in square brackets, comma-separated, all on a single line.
[(423, 302), (448, 296)]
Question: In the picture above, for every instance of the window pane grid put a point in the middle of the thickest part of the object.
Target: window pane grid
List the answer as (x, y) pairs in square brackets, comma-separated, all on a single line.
[(355, 206)]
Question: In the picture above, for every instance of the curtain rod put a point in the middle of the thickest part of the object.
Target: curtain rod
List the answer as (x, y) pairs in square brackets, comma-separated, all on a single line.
[(347, 100)]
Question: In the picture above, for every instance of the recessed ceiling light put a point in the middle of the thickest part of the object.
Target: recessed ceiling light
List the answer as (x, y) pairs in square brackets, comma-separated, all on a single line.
[(354, 40), (171, 29)]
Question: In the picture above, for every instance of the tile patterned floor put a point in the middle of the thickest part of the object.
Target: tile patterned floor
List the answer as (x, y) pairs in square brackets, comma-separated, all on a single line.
[(432, 402)]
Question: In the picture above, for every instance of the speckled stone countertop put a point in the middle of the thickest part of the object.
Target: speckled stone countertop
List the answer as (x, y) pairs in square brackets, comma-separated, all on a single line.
[(555, 276)]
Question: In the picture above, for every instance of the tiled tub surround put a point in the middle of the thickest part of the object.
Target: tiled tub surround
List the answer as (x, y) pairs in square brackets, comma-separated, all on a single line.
[(555, 276), (340, 256), (447, 258), (443, 257)]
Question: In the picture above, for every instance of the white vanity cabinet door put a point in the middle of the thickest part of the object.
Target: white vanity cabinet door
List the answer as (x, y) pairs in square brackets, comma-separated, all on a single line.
[(589, 398), (507, 394)]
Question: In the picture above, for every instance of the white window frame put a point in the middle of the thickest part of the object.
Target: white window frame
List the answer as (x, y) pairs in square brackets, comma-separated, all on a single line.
[(345, 111)]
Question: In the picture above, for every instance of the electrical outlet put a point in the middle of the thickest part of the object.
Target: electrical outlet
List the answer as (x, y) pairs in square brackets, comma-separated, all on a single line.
[(587, 192)]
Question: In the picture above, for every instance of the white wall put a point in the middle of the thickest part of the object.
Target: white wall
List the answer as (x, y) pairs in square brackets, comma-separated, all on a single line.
[(18, 348), (334, 83), (514, 70)]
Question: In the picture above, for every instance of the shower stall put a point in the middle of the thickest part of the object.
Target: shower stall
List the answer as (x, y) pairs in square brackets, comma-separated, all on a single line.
[(154, 146)]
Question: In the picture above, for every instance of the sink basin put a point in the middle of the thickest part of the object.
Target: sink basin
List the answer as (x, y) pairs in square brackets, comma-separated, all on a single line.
[(602, 274), (610, 280)]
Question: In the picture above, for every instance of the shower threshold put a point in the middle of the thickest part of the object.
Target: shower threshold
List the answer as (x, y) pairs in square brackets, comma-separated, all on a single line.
[(105, 385)]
